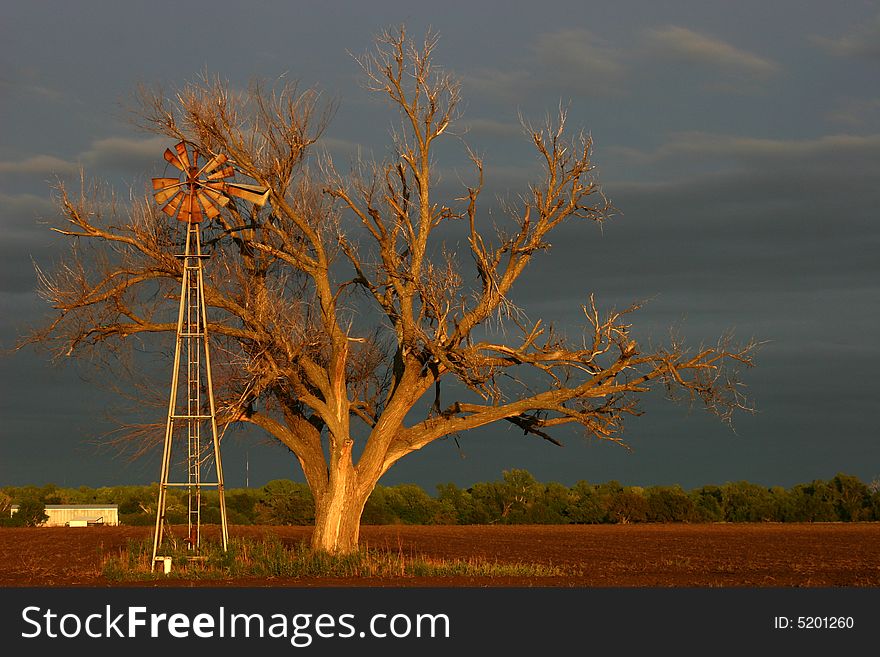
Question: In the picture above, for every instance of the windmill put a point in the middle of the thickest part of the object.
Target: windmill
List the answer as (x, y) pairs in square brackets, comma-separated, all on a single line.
[(198, 194)]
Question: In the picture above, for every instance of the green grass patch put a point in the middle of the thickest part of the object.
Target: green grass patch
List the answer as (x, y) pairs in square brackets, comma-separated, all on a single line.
[(271, 558)]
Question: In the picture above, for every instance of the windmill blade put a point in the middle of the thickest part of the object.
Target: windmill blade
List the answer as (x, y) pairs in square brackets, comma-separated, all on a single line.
[(193, 208), (164, 194), (212, 164), (174, 160), (174, 204), (227, 172), (190, 210), (161, 183), (254, 193), (215, 196), (181, 153), (210, 209), (167, 188)]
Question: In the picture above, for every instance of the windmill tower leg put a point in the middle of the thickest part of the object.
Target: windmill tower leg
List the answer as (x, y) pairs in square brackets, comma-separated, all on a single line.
[(215, 439)]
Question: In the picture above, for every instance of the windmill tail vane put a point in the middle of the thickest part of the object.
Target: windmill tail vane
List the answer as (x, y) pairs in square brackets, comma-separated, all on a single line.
[(202, 190)]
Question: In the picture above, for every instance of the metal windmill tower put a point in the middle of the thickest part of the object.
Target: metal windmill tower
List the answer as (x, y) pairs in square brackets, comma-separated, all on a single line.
[(192, 418)]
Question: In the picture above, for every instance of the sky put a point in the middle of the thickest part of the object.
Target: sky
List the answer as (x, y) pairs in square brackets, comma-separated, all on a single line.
[(740, 143)]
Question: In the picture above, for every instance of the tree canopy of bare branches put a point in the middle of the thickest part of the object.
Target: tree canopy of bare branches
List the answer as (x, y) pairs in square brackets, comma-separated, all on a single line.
[(289, 286)]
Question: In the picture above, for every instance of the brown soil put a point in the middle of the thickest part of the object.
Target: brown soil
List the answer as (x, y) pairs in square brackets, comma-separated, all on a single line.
[(602, 555)]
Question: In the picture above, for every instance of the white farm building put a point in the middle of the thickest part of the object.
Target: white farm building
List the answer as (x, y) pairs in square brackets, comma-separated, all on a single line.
[(79, 515)]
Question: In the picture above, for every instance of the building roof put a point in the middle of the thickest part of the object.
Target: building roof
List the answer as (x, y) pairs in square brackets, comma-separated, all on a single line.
[(73, 507), (70, 507)]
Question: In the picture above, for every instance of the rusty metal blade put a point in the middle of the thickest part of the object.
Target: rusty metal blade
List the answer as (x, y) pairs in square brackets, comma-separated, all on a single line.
[(214, 195), (164, 194), (174, 160), (181, 153), (210, 209), (212, 164), (174, 204), (186, 208), (228, 172), (161, 183), (253, 193), (195, 210)]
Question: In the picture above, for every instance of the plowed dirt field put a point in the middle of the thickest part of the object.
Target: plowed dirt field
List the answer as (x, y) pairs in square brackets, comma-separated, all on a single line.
[(812, 555)]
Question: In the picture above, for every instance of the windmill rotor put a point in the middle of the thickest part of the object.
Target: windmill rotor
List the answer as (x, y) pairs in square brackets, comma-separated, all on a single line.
[(202, 190)]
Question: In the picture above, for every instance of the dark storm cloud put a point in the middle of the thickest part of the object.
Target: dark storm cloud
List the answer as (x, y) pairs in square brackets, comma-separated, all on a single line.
[(23, 83), (779, 245), (27, 218), (24, 239), (575, 59), (855, 112), (755, 212), (37, 165), (491, 127), (579, 59), (111, 154), (861, 41), (578, 62), (795, 218), (820, 153), (686, 45), (123, 154), (18, 205)]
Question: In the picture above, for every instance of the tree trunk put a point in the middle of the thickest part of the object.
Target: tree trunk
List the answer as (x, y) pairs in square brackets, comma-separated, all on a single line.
[(338, 515)]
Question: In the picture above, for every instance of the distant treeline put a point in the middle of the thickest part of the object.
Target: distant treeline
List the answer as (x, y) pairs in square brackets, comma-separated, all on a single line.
[(516, 499)]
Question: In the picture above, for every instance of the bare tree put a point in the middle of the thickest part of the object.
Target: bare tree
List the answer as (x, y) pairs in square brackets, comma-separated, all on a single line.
[(291, 286)]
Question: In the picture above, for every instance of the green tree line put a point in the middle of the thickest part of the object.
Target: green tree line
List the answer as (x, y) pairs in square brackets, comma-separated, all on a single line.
[(517, 498)]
